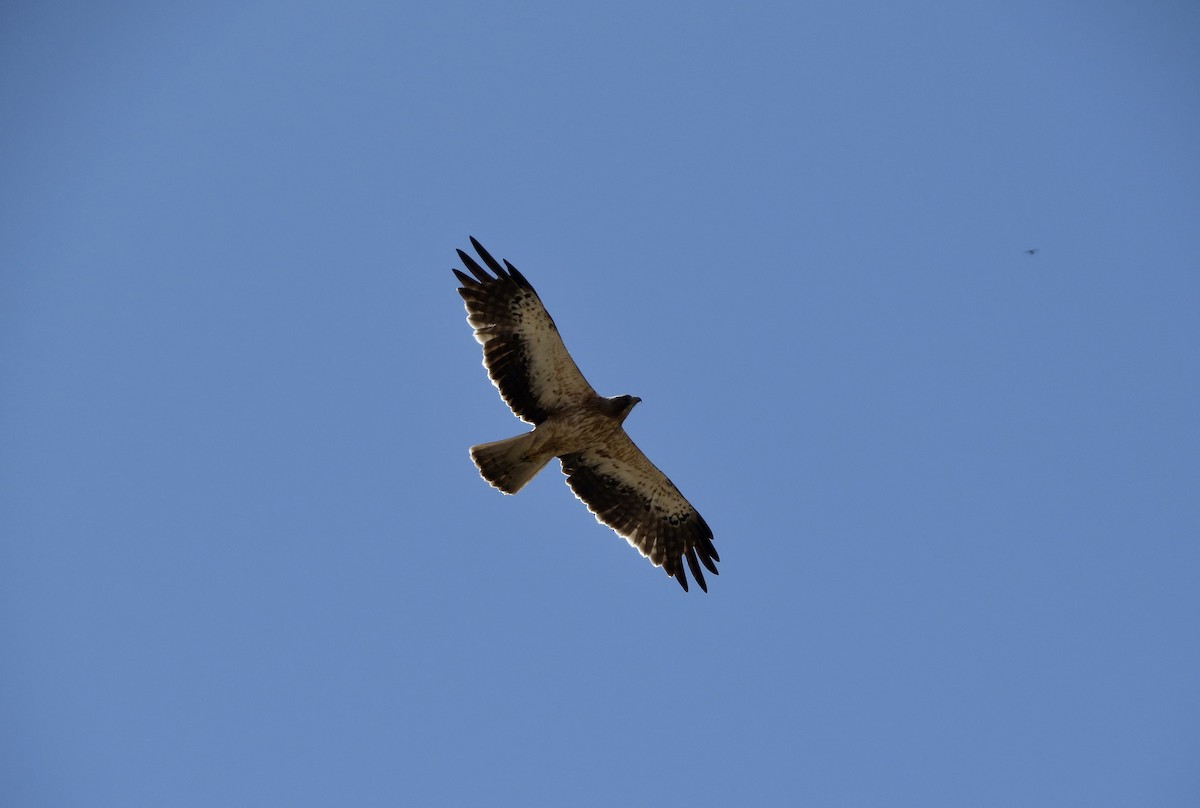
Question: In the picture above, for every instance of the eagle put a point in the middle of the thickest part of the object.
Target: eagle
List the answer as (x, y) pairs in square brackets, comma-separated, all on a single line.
[(527, 361)]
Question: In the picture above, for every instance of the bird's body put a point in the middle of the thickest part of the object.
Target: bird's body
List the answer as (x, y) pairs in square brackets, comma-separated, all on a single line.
[(527, 361), (574, 429)]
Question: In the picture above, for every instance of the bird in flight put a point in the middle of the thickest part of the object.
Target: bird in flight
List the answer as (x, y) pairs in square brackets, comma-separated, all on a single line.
[(527, 361), (1034, 251)]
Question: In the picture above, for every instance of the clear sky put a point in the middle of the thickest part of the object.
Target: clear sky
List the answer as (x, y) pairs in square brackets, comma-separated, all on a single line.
[(246, 559)]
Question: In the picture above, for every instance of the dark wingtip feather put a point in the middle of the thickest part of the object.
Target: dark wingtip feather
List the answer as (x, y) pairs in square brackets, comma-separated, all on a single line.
[(694, 565), (473, 265), (465, 279), (492, 263), (518, 277), (680, 577), (708, 555), (708, 551)]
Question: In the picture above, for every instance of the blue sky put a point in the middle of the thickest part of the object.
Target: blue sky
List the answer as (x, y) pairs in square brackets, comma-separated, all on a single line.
[(246, 559)]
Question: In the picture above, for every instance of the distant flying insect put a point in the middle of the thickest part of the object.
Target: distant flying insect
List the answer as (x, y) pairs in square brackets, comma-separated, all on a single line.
[(527, 361)]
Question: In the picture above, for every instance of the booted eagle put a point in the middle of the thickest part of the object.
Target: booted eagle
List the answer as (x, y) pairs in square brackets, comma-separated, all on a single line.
[(527, 361)]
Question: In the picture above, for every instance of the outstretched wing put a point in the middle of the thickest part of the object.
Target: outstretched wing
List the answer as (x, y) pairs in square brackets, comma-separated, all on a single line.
[(628, 493), (522, 351)]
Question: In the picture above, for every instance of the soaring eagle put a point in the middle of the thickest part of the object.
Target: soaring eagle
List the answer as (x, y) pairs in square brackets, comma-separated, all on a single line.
[(527, 361)]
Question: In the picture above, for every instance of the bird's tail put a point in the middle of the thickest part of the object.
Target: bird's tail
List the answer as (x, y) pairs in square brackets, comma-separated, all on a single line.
[(509, 464)]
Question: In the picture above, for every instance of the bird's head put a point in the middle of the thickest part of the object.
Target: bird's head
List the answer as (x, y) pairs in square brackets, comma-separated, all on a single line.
[(623, 405)]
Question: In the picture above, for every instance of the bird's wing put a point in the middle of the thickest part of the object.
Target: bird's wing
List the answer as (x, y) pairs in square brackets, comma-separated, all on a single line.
[(625, 491), (522, 351)]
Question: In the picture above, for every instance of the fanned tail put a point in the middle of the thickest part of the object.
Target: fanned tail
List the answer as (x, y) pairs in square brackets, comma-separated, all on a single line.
[(507, 464)]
